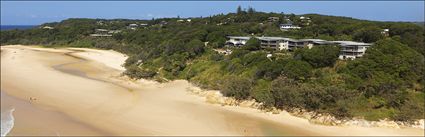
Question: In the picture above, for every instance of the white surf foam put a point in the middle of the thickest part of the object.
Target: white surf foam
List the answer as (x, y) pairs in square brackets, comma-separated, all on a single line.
[(7, 121)]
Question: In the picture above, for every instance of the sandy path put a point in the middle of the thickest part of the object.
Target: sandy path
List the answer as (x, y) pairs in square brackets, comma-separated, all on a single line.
[(89, 93)]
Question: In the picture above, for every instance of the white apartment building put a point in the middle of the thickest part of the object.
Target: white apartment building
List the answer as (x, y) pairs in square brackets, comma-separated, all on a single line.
[(278, 43), (351, 49), (236, 41)]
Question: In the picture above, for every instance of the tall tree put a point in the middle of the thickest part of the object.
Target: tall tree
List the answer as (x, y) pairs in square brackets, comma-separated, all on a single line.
[(239, 10), (251, 10)]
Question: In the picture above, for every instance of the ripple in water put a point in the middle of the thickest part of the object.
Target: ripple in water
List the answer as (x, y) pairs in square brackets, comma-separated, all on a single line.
[(7, 121)]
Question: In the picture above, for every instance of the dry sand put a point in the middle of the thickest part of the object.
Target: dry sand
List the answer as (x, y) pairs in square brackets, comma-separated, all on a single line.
[(80, 92)]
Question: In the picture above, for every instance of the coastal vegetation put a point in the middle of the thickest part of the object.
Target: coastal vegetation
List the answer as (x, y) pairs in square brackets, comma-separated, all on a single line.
[(388, 82)]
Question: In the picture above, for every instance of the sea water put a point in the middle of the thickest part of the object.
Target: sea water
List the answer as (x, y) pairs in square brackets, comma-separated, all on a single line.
[(17, 27), (7, 121)]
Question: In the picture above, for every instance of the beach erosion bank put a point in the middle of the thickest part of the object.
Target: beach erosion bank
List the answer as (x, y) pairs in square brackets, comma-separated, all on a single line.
[(85, 93)]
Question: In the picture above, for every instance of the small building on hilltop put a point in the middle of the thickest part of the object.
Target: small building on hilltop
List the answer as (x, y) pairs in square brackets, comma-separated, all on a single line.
[(143, 24), (47, 27), (288, 26), (114, 31), (385, 32), (224, 51), (132, 26), (237, 41), (101, 33), (163, 23), (305, 21)]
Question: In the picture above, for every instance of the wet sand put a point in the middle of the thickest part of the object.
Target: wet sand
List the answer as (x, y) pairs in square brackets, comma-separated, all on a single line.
[(79, 95)]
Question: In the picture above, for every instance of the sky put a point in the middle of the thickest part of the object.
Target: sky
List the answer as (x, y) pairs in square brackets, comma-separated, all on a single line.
[(38, 12)]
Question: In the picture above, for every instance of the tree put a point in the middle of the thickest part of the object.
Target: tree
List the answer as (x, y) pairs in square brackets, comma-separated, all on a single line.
[(239, 10), (237, 87), (319, 56), (251, 10), (252, 44), (262, 93), (269, 70), (195, 47), (389, 65), (134, 71), (285, 93), (296, 69), (368, 34)]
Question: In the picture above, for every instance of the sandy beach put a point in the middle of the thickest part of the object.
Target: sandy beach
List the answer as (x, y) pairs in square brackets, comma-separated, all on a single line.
[(80, 92)]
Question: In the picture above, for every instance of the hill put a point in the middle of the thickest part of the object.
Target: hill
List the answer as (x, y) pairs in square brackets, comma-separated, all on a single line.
[(387, 82)]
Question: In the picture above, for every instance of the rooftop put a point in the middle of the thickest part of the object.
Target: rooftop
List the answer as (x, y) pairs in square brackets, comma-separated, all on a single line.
[(102, 30), (313, 40), (239, 37), (351, 43), (275, 38)]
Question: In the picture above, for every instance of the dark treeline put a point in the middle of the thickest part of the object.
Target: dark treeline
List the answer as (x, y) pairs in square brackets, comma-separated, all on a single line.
[(388, 82)]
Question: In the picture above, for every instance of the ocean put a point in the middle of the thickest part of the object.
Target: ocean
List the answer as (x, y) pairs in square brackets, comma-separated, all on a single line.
[(7, 121), (20, 27)]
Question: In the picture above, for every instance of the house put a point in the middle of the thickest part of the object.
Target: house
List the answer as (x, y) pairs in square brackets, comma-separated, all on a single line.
[(305, 21), (133, 26), (101, 33), (143, 24), (162, 23), (189, 20), (385, 32), (269, 55), (236, 41), (100, 23), (47, 27), (351, 49), (114, 31), (224, 52), (180, 20), (304, 18), (288, 26), (273, 19)]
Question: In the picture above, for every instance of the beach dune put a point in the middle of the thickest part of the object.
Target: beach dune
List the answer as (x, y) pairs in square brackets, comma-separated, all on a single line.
[(81, 90)]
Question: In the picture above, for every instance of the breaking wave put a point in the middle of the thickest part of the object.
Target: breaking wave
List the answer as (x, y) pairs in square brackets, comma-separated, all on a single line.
[(7, 121)]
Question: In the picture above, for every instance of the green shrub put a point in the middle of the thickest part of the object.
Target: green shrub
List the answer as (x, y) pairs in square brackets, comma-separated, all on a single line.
[(296, 69), (237, 87), (137, 73), (261, 93)]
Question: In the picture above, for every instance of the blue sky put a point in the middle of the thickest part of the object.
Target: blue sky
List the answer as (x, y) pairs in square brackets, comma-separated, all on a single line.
[(37, 12)]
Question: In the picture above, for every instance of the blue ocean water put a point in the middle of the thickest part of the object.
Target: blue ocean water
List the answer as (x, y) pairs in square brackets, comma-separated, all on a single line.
[(20, 27)]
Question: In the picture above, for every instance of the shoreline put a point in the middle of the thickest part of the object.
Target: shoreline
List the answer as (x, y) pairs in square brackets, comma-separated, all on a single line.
[(43, 121), (261, 118)]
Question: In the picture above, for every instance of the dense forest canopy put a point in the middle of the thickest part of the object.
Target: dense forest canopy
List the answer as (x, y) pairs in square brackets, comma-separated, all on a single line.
[(388, 82)]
